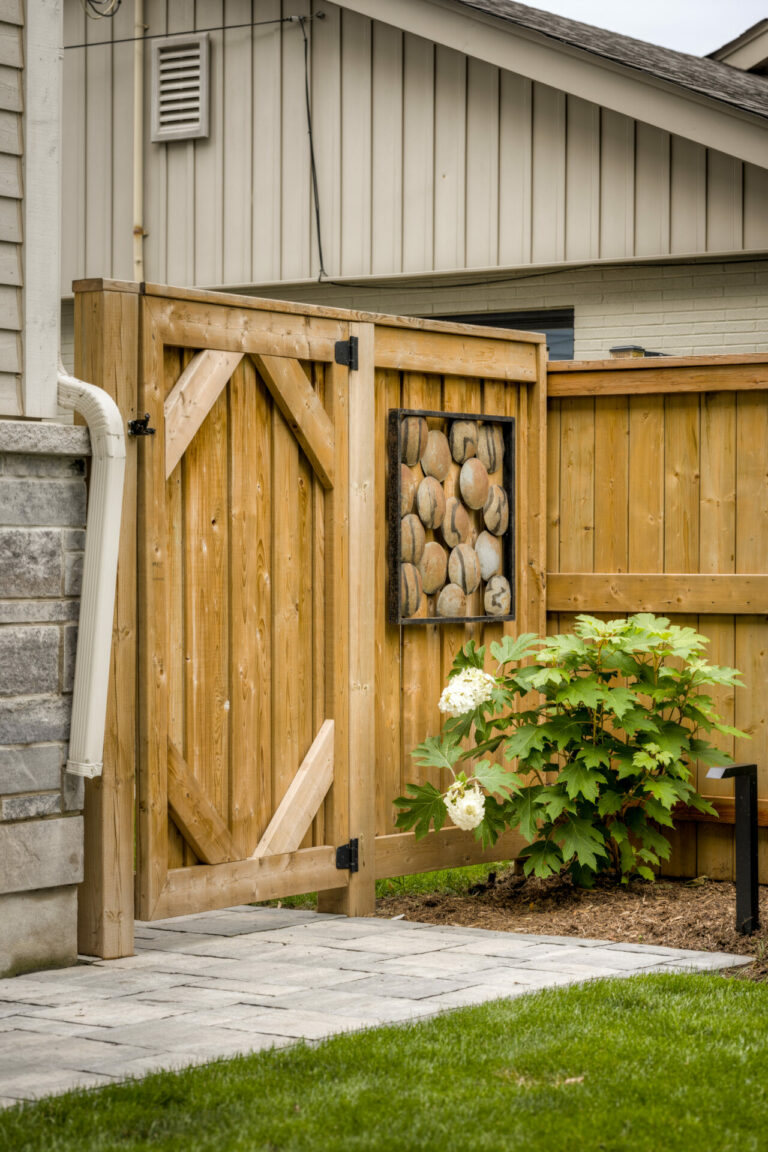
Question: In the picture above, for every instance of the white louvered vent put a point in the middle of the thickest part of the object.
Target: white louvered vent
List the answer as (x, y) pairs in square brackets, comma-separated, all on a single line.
[(180, 88)]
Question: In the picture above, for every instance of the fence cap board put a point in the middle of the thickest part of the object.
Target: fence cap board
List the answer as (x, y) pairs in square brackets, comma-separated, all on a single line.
[(257, 303)]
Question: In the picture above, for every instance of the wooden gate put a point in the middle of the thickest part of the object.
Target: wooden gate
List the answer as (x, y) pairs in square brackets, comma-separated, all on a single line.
[(259, 698)]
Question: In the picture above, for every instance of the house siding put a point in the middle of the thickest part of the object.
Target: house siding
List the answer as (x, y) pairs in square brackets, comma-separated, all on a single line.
[(11, 238), (427, 160)]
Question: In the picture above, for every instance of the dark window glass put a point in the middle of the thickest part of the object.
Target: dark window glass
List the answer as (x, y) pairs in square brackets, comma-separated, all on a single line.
[(555, 323)]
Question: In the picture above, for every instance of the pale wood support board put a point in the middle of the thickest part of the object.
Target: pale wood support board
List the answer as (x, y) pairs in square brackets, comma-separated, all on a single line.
[(197, 819), (303, 411), (305, 794), (106, 353), (188, 404), (657, 592), (438, 351)]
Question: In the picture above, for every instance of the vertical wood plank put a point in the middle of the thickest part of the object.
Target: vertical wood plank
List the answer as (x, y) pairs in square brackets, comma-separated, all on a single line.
[(318, 605), (548, 174), (418, 153), (387, 145), (251, 607), (450, 157), (652, 190), (179, 852), (305, 668), (611, 484), (355, 143), (582, 208), (482, 237), (577, 480), (646, 484), (388, 657), (106, 353)]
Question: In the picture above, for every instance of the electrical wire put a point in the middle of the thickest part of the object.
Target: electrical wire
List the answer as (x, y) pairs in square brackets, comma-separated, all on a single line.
[(190, 31), (313, 167), (100, 9)]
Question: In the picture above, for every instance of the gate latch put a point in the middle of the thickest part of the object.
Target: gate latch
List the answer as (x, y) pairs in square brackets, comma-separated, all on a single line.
[(140, 426), (347, 856), (345, 352)]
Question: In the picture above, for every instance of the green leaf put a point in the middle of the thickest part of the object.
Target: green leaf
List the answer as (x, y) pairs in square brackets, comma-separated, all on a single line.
[(584, 690), (619, 701), (525, 811), (523, 741), (434, 753), (638, 720), (557, 801), (563, 730), (666, 792), (425, 806), (515, 648), (542, 858), (495, 821), (468, 657), (645, 872), (658, 812), (495, 778), (594, 756), (580, 839), (609, 803), (581, 781)]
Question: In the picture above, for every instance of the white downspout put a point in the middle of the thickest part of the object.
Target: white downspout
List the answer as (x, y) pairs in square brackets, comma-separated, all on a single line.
[(102, 540)]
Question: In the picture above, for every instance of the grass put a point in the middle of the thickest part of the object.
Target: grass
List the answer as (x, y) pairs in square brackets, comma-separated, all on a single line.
[(450, 881), (649, 1064)]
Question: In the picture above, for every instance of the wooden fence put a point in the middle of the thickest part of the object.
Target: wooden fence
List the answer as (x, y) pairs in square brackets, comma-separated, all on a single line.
[(658, 501), (261, 708)]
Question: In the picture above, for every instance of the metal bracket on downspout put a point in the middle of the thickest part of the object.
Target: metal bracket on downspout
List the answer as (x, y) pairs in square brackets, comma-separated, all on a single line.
[(102, 541)]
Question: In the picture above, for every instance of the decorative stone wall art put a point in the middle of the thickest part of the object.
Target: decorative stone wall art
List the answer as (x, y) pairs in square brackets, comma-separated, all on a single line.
[(451, 508)]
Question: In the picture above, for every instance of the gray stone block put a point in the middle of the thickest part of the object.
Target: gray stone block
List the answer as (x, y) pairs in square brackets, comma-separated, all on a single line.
[(41, 854), (32, 769), (44, 439), (30, 562), (70, 651), (34, 719), (30, 807), (39, 930), (73, 573), (43, 467), (39, 611), (73, 793), (29, 660), (74, 539), (42, 503)]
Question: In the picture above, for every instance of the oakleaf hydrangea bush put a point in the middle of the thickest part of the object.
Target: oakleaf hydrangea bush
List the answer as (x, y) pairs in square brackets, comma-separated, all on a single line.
[(584, 743)]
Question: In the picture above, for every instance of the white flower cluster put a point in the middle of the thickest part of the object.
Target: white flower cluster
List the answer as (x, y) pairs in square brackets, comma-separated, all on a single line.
[(465, 804), (466, 691)]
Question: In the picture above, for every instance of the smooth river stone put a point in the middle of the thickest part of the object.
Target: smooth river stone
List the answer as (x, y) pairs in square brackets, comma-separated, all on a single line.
[(436, 457), (455, 523), (464, 568), (496, 511), (433, 567), (498, 596), (488, 549), (410, 590), (452, 601), (430, 502), (462, 438), (408, 486), (473, 483), (412, 539), (490, 446), (413, 439)]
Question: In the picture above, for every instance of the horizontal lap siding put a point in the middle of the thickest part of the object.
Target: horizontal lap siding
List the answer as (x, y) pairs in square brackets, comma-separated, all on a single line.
[(673, 484), (426, 159)]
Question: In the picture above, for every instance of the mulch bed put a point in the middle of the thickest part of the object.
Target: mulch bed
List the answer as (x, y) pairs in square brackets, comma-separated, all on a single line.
[(677, 913)]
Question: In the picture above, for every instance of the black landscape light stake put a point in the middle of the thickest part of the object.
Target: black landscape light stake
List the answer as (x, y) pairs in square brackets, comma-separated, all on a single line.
[(745, 834)]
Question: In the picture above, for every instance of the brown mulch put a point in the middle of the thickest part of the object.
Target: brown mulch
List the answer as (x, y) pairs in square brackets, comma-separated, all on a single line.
[(696, 914)]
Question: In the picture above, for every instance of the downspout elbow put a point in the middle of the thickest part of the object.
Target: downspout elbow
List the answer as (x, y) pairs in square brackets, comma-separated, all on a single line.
[(102, 542)]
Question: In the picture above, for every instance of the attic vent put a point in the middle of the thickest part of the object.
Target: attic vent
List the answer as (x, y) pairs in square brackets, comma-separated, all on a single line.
[(180, 88)]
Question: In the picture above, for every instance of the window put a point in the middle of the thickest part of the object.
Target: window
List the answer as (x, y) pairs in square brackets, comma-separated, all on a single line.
[(555, 323), (180, 88)]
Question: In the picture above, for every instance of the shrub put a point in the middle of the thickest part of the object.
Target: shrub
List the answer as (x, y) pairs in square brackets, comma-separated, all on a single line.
[(583, 742)]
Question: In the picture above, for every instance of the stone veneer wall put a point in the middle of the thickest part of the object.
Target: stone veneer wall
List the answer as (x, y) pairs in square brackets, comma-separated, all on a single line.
[(42, 538)]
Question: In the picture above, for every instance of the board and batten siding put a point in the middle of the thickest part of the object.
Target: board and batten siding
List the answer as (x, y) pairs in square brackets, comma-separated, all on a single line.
[(11, 105), (426, 159)]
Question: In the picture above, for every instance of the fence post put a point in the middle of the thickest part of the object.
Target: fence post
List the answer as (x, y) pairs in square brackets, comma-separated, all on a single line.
[(107, 354)]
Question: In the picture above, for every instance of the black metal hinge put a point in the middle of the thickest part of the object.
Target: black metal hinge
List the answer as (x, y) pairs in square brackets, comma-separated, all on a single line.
[(347, 856), (346, 353), (140, 426)]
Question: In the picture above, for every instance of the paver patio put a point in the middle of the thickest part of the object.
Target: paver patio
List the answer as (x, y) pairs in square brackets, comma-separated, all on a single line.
[(240, 980)]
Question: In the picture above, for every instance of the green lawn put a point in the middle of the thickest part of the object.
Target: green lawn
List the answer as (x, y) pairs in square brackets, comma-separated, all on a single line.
[(649, 1064)]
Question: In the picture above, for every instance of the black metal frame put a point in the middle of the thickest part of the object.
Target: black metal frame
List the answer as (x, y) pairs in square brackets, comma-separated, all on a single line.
[(394, 425)]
